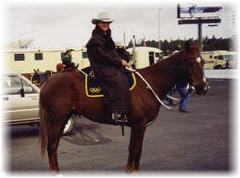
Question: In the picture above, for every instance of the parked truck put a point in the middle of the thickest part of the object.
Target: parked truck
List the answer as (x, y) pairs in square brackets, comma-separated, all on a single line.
[(219, 59)]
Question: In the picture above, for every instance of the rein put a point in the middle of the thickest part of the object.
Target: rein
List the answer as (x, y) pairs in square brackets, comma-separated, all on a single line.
[(150, 88), (84, 73)]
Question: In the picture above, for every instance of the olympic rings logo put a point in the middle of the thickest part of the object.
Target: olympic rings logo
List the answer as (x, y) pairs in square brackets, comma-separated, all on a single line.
[(95, 90)]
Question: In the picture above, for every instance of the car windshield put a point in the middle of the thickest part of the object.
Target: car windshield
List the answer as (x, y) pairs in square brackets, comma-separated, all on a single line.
[(12, 84), (230, 57)]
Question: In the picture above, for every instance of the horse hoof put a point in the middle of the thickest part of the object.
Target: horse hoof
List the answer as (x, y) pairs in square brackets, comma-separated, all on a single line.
[(53, 172), (128, 170), (135, 172)]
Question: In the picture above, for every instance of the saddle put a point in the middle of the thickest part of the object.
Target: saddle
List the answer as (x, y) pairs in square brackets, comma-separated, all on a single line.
[(94, 89)]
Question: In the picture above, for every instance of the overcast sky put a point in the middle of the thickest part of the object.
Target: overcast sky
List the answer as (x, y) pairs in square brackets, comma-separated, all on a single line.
[(62, 25)]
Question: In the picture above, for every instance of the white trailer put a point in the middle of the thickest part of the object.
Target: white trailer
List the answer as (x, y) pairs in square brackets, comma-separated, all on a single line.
[(25, 60), (144, 56)]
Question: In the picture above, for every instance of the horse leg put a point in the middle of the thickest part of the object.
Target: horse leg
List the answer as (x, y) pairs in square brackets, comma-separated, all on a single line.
[(135, 146), (130, 155), (53, 142)]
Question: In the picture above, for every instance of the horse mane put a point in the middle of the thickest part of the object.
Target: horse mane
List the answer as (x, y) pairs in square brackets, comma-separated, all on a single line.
[(166, 65), (174, 61)]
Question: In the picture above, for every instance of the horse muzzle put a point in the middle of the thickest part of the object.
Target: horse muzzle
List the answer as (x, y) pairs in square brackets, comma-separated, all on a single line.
[(201, 89)]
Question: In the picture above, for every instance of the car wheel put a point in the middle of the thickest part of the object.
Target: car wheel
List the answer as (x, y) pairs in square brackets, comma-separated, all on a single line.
[(218, 67), (69, 126)]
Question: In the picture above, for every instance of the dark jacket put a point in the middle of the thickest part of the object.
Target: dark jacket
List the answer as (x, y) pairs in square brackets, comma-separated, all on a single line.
[(66, 57), (67, 60), (122, 53), (107, 64), (103, 57)]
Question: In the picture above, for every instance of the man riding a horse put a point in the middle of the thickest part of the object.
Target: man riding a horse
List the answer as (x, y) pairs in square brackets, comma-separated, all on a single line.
[(67, 59), (107, 66), (64, 94)]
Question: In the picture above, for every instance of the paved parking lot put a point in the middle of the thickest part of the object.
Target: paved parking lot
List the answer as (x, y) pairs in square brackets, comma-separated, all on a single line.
[(199, 141)]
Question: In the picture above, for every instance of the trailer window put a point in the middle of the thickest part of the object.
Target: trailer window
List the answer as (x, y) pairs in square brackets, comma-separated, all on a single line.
[(220, 57), (158, 57), (84, 55), (38, 56), (19, 57), (230, 57), (151, 57)]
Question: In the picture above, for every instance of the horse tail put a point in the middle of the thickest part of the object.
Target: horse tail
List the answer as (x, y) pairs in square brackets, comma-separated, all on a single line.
[(43, 133)]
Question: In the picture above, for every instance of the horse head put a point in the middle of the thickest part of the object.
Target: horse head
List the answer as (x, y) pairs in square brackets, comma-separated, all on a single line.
[(45, 76), (191, 67), (40, 77), (36, 76)]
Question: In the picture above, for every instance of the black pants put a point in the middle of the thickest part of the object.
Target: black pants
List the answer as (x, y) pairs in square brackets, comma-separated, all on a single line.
[(116, 93)]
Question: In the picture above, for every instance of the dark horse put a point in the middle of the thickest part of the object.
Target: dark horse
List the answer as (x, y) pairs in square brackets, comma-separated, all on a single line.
[(38, 78), (64, 93)]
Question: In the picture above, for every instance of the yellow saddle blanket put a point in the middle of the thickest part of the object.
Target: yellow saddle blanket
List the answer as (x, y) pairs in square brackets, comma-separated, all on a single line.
[(93, 88)]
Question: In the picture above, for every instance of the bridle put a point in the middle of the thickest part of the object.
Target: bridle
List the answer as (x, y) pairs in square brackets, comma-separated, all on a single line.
[(183, 69)]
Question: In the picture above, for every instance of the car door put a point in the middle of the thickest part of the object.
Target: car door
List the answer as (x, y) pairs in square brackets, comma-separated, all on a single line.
[(20, 100)]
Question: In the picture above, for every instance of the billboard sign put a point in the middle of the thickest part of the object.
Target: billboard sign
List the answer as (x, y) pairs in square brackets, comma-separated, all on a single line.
[(194, 14)]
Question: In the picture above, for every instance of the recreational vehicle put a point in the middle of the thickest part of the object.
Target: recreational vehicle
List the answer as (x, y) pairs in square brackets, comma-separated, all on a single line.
[(25, 60), (144, 56), (219, 59)]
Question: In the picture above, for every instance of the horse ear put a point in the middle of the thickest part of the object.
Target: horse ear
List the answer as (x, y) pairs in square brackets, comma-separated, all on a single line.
[(196, 43), (187, 45)]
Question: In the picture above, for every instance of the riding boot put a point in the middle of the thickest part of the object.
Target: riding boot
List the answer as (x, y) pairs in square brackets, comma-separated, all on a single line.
[(119, 119)]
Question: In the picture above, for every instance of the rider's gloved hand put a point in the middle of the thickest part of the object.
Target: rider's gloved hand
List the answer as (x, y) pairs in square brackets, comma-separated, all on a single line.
[(124, 63)]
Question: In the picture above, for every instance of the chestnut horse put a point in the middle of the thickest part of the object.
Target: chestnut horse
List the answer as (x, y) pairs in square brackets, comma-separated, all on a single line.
[(64, 93)]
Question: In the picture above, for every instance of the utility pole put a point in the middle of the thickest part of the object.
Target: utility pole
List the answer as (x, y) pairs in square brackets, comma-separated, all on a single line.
[(124, 40), (159, 11), (200, 35), (133, 52)]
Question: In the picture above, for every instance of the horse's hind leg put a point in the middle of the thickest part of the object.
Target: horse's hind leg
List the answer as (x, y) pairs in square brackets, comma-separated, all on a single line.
[(135, 146), (53, 142)]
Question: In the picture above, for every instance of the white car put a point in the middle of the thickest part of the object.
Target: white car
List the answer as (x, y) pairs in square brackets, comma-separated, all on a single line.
[(20, 100)]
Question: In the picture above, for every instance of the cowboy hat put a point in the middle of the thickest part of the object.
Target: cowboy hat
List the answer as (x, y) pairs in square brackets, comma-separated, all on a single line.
[(102, 17)]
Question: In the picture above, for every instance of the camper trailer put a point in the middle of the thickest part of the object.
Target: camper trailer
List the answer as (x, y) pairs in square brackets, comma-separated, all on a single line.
[(219, 59), (144, 56), (25, 60)]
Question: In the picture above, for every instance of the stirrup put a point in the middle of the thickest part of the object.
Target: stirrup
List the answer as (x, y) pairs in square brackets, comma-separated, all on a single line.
[(119, 119)]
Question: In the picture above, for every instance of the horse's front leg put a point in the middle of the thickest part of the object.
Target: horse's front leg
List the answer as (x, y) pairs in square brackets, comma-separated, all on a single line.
[(129, 166), (135, 146)]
